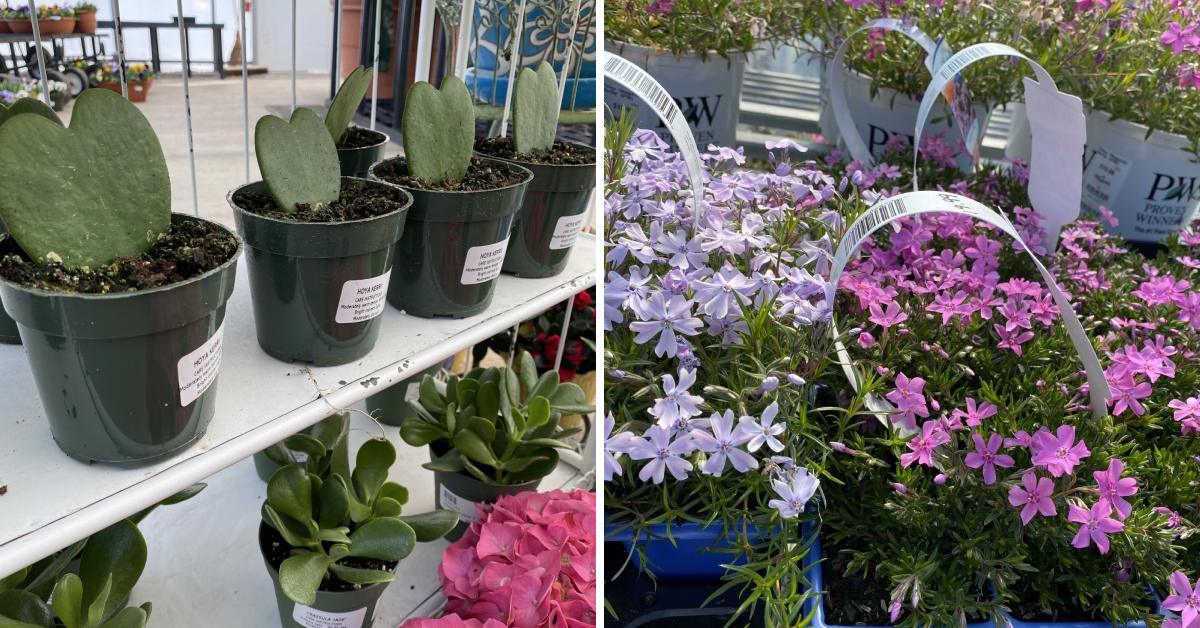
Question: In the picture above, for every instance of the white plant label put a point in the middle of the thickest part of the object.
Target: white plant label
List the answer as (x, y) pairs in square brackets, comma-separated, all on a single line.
[(412, 392), (484, 263), (916, 203), (566, 231), (645, 87), (1106, 173), (362, 299), (1058, 128), (463, 506), (312, 618), (198, 369)]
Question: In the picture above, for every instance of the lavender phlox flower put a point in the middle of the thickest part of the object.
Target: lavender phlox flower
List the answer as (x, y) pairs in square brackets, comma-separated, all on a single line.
[(723, 442), (676, 402), (664, 318), (664, 453), (720, 293), (764, 431), (794, 492)]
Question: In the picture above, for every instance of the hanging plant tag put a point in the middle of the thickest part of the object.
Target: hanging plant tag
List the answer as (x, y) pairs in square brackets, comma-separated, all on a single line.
[(484, 263), (312, 618), (198, 369)]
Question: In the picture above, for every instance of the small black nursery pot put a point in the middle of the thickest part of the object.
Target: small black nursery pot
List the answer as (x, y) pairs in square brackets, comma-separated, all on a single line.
[(359, 150)]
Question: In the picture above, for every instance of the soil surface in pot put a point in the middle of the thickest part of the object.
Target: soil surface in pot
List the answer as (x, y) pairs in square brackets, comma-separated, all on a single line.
[(481, 175), (1028, 609), (188, 250), (359, 200), (278, 551), (560, 154), (358, 137)]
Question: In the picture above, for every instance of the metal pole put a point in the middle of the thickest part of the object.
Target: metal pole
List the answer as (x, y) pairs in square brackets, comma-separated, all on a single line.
[(37, 41), (245, 90), (562, 80), (562, 338), (517, 35), (337, 45), (465, 22), (187, 107), (293, 55), (119, 36), (375, 63)]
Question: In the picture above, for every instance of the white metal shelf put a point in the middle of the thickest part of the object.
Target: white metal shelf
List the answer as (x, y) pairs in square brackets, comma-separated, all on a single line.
[(52, 500)]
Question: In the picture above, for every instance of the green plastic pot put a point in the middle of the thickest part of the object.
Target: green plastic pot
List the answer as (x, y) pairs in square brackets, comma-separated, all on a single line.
[(551, 217), (108, 367), (8, 327), (395, 404), (357, 162), (305, 278), (347, 609), (460, 492), (452, 251)]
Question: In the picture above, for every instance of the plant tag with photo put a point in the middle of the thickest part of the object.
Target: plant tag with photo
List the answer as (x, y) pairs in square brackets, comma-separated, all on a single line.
[(461, 505), (198, 369), (312, 618), (566, 231), (1059, 131), (484, 263), (362, 299)]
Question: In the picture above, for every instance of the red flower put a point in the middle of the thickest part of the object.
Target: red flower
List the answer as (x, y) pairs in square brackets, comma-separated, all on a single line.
[(550, 347), (582, 300)]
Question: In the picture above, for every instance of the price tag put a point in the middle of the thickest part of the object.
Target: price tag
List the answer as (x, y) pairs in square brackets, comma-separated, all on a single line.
[(312, 618), (916, 203), (1059, 131), (633, 78), (362, 299), (484, 263), (461, 505), (198, 369)]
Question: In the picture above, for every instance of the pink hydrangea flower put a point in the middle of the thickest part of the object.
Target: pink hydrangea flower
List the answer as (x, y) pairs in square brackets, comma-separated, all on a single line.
[(1114, 488), (1058, 452), (1095, 525), (987, 455), (1033, 497)]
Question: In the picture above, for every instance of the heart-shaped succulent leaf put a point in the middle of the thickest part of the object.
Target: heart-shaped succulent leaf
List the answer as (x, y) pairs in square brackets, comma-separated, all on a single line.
[(346, 102), (85, 194), (439, 130), (28, 105), (298, 160), (535, 109)]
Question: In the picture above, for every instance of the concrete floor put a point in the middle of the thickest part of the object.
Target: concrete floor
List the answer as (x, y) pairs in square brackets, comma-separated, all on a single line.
[(217, 131)]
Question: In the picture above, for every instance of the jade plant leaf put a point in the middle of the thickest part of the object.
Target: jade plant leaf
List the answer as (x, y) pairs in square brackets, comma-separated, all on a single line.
[(118, 551), (22, 608), (386, 538), (67, 600), (418, 432), (439, 130), (289, 492), (300, 576), (346, 102), (132, 617), (29, 105), (535, 109), (89, 192), (298, 160), (431, 526), (473, 447), (371, 466), (354, 575)]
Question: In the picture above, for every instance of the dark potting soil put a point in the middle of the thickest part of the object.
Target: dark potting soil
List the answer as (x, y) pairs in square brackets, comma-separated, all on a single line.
[(481, 175), (188, 250), (852, 600), (560, 154), (359, 200), (1028, 609), (358, 137), (278, 550)]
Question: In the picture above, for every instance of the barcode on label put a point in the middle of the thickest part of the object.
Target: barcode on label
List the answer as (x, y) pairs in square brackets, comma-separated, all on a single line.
[(963, 59), (641, 83), (878, 216)]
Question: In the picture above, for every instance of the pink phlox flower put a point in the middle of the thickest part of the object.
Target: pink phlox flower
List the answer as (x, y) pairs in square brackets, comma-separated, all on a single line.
[(1017, 287), (1189, 308), (1095, 525), (987, 455), (1173, 518), (1114, 488), (1016, 314), (1127, 393), (1010, 339), (1058, 452), (922, 445), (909, 400), (950, 306), (1020, 439), (975, 415), (887, 316), (1033, 496), (1185, 599), (1180, 38), (1161, 290)]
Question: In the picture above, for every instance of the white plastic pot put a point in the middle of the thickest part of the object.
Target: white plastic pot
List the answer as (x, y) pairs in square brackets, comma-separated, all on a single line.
[(888, 113), (1151, 184), (707, 90)]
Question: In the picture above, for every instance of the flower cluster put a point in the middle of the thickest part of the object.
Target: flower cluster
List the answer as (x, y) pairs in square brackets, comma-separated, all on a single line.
[(530, 563), (701, 26), (111, 73), (45, 12), (540, 337)]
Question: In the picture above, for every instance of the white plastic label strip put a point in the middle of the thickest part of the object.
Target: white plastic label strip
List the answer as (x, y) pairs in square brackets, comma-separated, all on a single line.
[(645, 87), (566, 231), (312, 618), (915, 203), (198, 369), (483, 263), (461, 505), (362, 299), (936, 54), (1059, 131)]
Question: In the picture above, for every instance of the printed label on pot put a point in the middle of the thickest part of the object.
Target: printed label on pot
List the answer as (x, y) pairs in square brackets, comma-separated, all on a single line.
[(362, 299), (312, 618), (463, 506), (412, 393), (198, 369), (484, 263), (1105, 172), (567, 231)]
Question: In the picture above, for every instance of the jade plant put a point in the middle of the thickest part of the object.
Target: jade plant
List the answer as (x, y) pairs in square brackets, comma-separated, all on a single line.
[(316, 448), (337, 520), (298, 160), (439, 130), (88, 193), (496, 424), (346, 102), (535, 109)]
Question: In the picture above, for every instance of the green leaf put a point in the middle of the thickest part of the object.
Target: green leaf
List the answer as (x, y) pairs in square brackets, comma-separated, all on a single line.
[(330, 431), (354, 575), (546, 386), (96, 611), (430, 398), (467, 390), (28, 105), (25, 609), (300, 576), (289, 492), (452, 462), (451, 389), (535, 108), (12, 623), (510, 395), (528, 374), (292, 531), (539, 412), (118, 550), (67, 600), (184, 495), (312, 448), (386, 507), (419, 433), (439, 130), (394, 491), (13, 580), (472, 447), (475, 471), (548, 442), (483, 427), (333, 504), (345, 103), (50, 198), (386, 538), (133, 617), (569, 394), (334, 535), (43, 582), (520, 464), (536, 470), (487, 401), (298, 160), (359, 511), (374, 459), (431, 526)]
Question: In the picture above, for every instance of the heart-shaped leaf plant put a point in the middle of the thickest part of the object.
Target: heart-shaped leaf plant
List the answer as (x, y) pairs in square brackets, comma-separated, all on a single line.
[(298, 160), (439, 130), (88, 193), (535, 109), (346, 102), (28, 105)]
